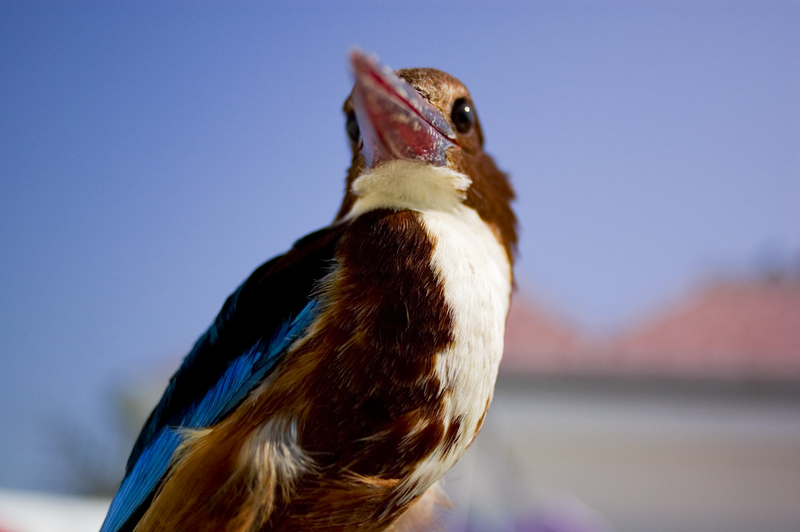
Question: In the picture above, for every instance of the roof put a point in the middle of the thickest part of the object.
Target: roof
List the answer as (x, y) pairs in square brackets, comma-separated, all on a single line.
[(538, 340), (729, 329)]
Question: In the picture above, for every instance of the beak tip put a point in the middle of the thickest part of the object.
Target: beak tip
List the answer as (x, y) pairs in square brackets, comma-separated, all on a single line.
[(361, 61)]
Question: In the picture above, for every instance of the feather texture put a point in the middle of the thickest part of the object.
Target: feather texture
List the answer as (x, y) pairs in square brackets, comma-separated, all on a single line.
[(243, 374), (241, 347)]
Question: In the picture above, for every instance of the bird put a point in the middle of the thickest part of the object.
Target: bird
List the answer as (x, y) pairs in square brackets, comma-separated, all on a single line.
[(342, 379)]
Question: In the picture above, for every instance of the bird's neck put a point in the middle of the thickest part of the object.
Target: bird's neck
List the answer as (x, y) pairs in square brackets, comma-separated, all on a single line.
[(408, 185)]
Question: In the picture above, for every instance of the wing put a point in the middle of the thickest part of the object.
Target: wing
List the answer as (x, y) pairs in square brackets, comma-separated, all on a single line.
[(254, 329)]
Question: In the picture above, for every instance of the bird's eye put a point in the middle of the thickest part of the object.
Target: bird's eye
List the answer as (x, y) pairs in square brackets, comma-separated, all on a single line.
[(463, 115), (352, 127)]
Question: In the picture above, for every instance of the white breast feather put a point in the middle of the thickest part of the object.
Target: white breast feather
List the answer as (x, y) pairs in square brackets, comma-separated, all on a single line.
[(474, 269), (476, 274)]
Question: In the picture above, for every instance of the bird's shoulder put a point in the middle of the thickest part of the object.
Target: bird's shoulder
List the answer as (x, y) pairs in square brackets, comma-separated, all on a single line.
[(251, 333), (265, 303)]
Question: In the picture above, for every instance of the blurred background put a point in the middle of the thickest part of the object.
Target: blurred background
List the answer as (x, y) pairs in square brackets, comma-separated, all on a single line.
[(153, 154)]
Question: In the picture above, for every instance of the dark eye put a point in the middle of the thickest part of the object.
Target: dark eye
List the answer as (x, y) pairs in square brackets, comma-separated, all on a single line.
[(463, 115), (352, 127)]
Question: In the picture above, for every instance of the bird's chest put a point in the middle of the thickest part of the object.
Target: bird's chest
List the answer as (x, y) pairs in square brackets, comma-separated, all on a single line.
[(474, 272), (412, 341), (476, 277)]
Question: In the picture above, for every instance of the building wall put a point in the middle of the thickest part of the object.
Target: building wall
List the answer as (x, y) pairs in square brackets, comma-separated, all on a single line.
[(635, 456)]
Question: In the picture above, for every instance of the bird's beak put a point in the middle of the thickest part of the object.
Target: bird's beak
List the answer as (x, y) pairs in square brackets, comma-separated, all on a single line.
[(394, 120)]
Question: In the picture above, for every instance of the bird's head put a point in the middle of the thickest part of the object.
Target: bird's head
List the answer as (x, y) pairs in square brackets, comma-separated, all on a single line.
[(417, 144)]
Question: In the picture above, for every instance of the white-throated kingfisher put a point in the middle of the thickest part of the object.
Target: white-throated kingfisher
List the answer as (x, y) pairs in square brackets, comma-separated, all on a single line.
[(343, 378)]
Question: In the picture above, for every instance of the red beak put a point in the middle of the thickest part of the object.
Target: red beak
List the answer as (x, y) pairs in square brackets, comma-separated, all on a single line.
[(394, 120)]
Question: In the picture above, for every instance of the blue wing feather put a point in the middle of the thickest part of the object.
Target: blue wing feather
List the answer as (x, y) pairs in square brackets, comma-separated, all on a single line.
[(240, 377), (248, 370), (142, 480)]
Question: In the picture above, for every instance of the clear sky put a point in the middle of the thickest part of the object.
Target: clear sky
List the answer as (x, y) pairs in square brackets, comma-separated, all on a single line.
[(151, 156)]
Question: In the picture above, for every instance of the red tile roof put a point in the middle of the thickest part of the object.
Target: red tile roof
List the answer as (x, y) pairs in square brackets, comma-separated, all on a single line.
[(734, 330), (538, 341)]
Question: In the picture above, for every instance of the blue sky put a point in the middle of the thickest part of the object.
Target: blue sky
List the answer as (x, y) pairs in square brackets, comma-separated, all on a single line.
[(153, 155)]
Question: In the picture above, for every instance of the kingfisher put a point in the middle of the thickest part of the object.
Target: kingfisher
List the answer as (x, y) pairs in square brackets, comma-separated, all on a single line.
[(344, 377)]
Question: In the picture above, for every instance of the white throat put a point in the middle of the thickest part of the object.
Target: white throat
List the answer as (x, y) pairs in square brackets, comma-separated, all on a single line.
[(409, 185)]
